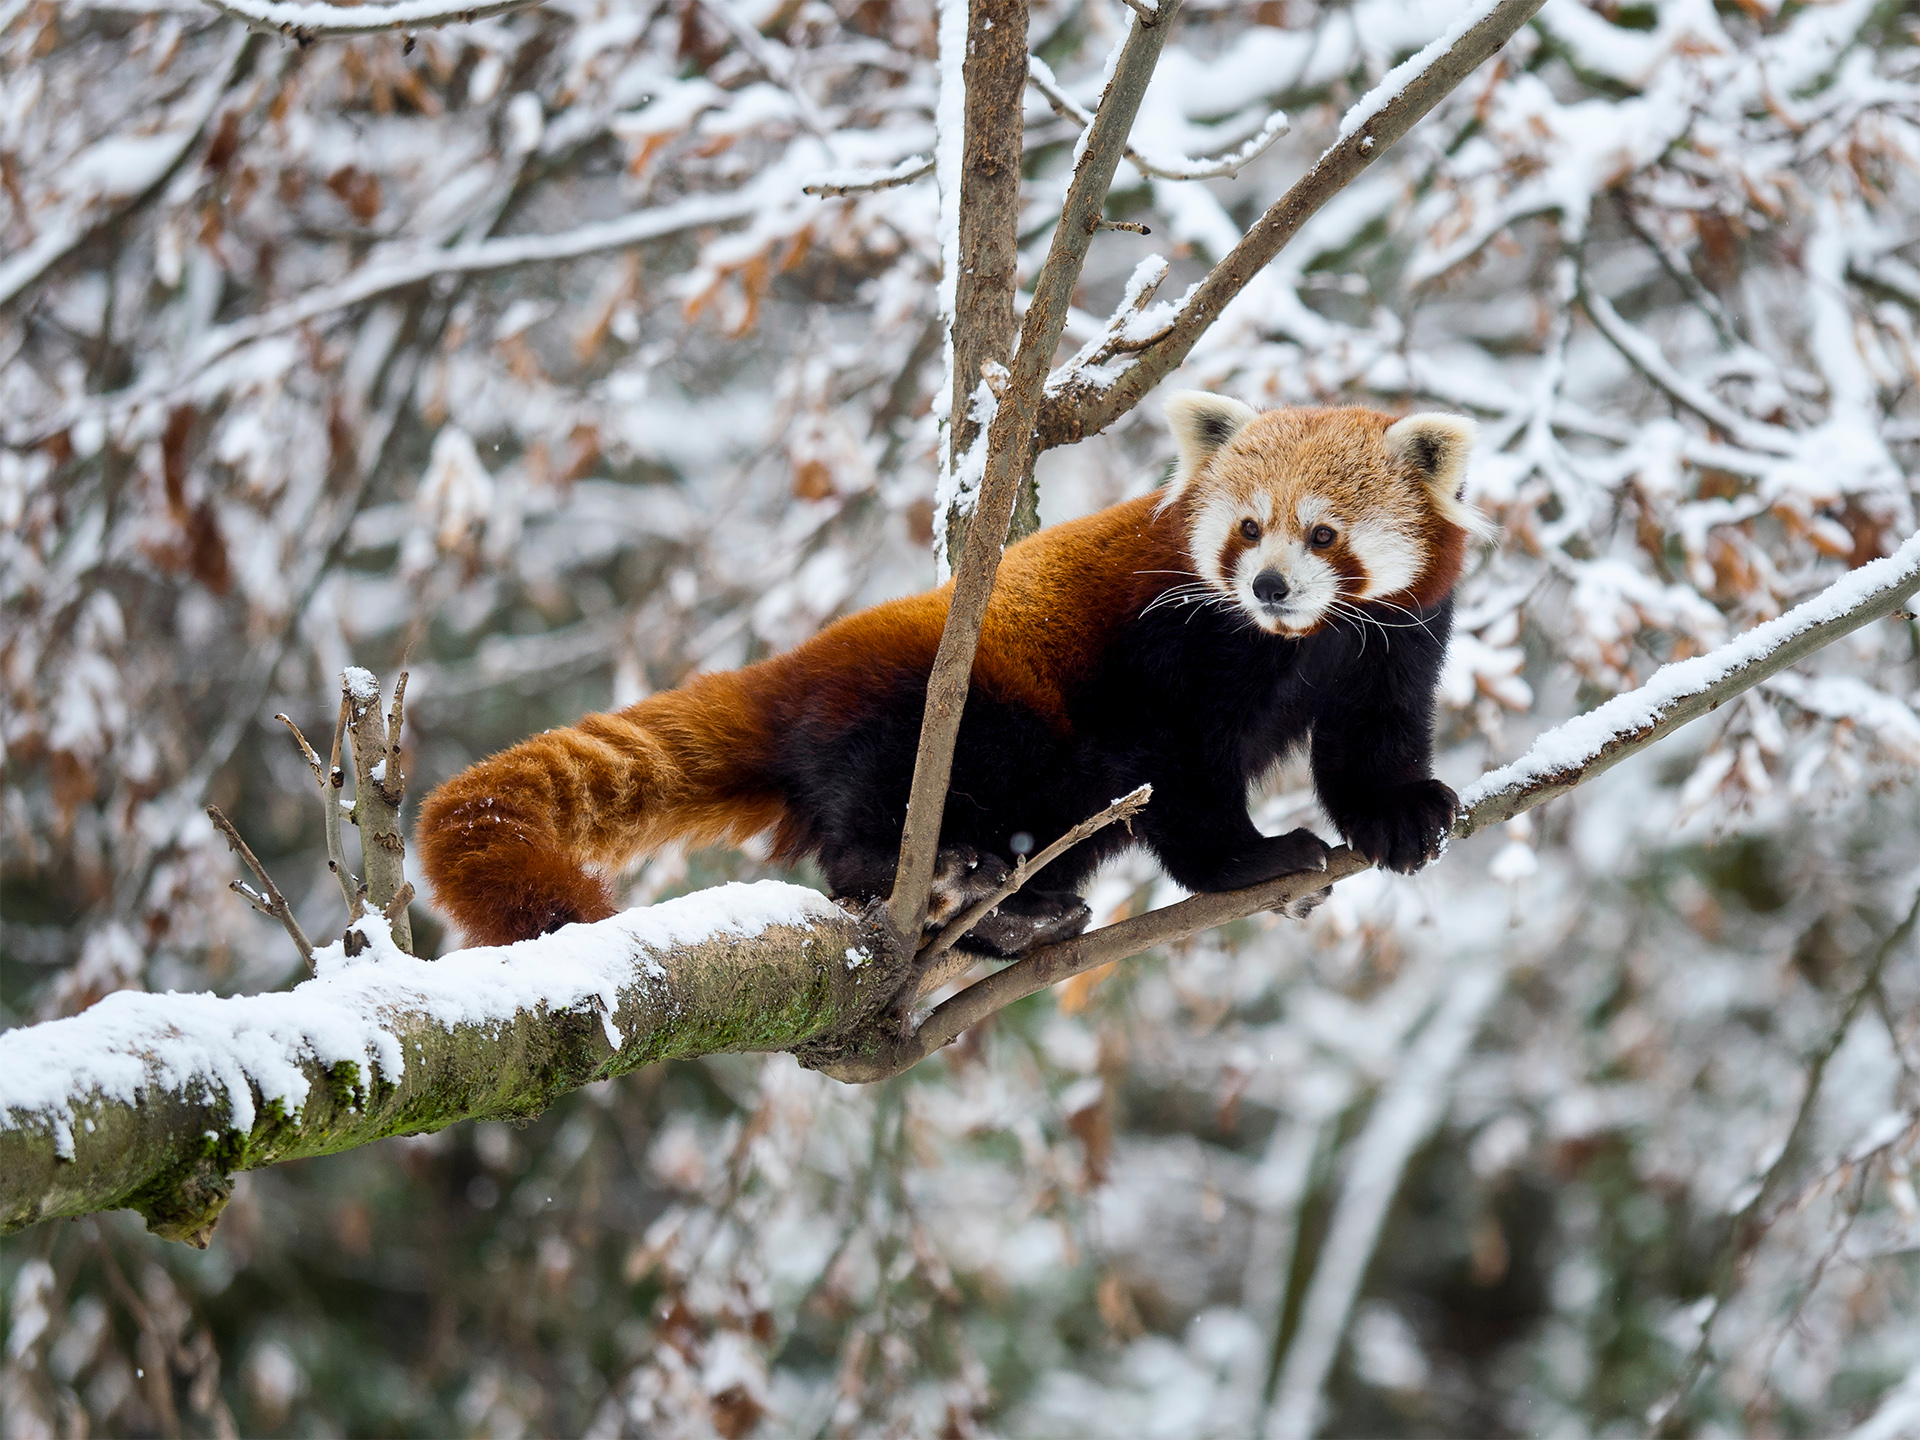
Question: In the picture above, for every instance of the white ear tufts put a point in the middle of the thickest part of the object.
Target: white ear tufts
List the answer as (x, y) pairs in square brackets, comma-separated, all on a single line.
[(1435, 447), (1201, 424)]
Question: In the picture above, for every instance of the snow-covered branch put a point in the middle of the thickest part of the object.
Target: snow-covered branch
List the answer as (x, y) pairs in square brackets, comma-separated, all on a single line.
[(1219, 167), (152, 1102), (384, 277), (310, 20)]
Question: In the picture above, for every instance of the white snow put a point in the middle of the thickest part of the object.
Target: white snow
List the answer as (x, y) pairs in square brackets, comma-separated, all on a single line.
[(361, 684), (1396, 80), (1585, 738), (353, 1010)]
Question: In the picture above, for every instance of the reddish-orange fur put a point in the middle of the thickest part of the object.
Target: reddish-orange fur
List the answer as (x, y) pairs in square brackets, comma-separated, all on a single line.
[(521, 841)]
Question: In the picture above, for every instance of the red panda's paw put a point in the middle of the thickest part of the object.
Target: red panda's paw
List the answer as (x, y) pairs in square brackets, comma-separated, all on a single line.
[(1029, 919), (1404, 827), (1302, 906), (962, 875)]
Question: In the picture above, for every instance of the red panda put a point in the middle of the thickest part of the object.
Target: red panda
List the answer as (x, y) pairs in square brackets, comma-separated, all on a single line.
[(1292, 584)]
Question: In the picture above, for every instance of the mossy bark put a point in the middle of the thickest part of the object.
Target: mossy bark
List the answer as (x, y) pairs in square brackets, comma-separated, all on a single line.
[(171, 1154)]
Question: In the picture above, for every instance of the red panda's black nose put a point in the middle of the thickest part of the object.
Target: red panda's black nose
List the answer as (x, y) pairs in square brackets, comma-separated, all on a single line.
[(1269, 587)]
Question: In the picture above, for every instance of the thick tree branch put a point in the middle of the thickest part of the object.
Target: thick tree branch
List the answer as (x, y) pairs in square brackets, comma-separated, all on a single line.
[(1079, 405), (152, 1102), (1009, 442)]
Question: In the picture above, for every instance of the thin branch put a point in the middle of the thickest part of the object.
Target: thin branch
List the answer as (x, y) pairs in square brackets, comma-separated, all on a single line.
[(1125, 808), (985, 252), (1080, 405), (310, 20), (914, 167), (1748, 1224), (382, 277), (275, 904), (1221, 167), (1645, 356), (1009, 454), (59, 238)]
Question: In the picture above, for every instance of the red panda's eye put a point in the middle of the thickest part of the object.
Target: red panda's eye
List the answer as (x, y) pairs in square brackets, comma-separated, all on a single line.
[(1250, 529), (1322, 536)]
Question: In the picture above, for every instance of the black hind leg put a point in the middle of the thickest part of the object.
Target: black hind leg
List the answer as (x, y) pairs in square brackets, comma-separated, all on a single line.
[(961, 875), (1028, 919)]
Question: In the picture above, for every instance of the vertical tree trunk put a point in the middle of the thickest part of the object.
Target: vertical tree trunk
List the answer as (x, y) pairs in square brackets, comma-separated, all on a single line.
[(984, 325)]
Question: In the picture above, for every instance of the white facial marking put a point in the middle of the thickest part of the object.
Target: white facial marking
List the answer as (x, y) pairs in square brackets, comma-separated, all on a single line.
[(1311, 509), (1391, 557), (1312, 585)]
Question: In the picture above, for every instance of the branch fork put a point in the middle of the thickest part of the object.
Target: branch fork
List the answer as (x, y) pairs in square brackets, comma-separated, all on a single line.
[(379, 786)]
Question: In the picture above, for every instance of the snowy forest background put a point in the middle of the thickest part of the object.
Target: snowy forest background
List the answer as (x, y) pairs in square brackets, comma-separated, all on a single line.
[(1599, 1125)]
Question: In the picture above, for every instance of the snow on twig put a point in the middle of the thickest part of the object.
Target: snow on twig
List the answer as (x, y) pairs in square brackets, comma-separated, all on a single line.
[(307, 20), (382, 277), (1221, 167), (1584, 746), (865, 182)]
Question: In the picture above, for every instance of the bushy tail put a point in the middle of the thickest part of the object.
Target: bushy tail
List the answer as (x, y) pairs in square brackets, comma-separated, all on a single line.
[(516, 845)]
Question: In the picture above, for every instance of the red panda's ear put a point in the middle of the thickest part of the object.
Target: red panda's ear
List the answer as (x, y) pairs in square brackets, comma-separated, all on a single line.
[(1201, 424), (1435, 448)]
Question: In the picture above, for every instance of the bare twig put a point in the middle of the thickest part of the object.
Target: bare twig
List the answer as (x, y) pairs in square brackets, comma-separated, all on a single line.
[(310, 20), (1132, 227), (1750, 1223), (1221, 167), (914, 167), (1645, 356), (1125, 808), (272, 902), (1080, 405), (1009, 454), (306, 750), (396, 717), (1147, 10)]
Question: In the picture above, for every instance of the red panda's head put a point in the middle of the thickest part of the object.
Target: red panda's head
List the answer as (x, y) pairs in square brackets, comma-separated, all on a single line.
[(1292, 514)]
